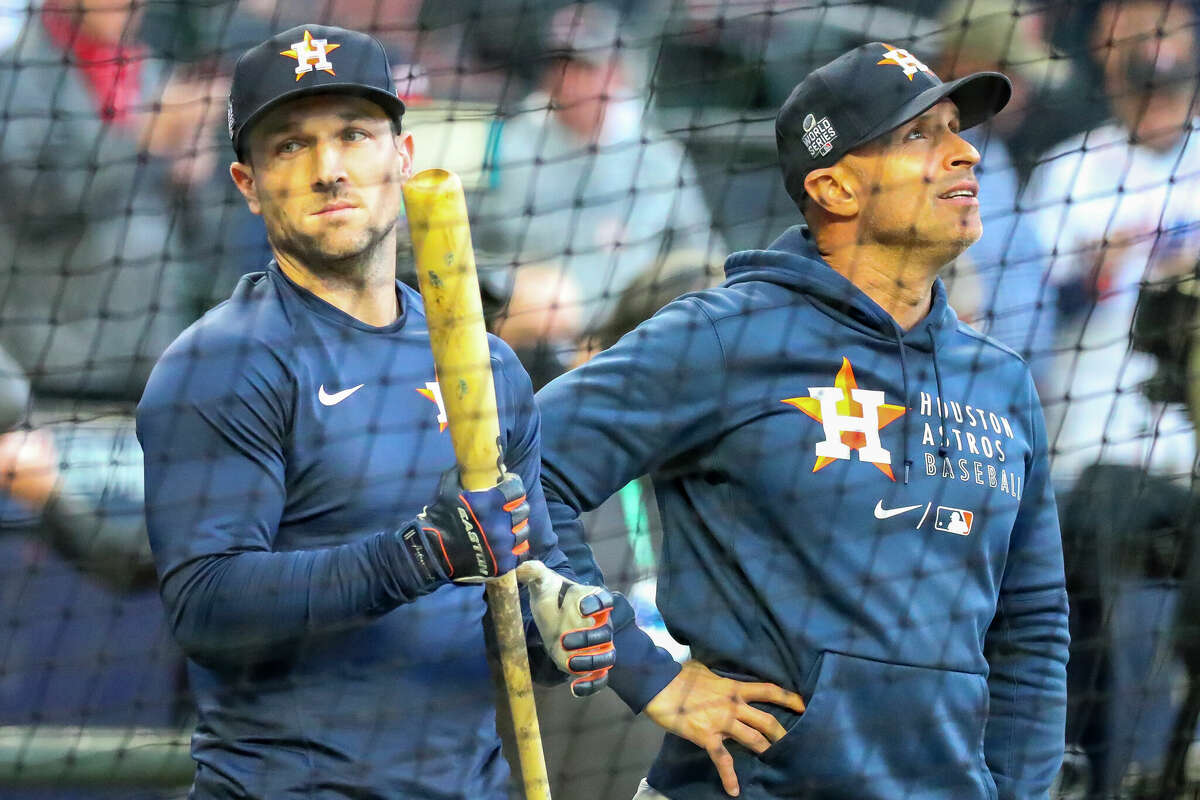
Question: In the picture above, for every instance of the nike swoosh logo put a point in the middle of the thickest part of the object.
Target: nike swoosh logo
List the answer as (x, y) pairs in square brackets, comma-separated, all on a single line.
[(328, 399), (884, 513)]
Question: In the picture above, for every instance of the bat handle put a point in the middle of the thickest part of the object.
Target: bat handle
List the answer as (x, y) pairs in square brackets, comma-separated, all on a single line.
[(504, 603)]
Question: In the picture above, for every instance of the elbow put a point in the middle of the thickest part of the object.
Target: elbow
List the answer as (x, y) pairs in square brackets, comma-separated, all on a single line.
[(1058, 629), (1036, 624), (554, 488), (192, 629), (195, 643), (200, 627), (210, 644)]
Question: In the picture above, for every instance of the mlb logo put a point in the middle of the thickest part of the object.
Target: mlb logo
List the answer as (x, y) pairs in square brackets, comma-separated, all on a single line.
[(953, 520)]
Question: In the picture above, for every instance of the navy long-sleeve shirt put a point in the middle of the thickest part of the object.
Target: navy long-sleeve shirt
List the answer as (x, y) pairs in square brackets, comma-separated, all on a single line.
[(285, 443), (855, 512)]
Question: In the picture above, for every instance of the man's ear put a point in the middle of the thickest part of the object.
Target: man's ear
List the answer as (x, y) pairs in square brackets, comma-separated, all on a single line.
[(404, 146), (243, 179), (832, 190)]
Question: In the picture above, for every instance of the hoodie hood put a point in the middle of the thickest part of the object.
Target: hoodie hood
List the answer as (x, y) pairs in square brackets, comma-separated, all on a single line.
[(792, 260)]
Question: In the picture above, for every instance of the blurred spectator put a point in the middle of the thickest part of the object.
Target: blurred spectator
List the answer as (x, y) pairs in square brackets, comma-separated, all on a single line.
[(105, 151), (1056, 91), (108, 241), (1018, 302), (114, 550), (581, 175), (541, 320), (86, 642), (1115, 207), (108, 154), (1167, 325), (678, 273), (227, 27), (102, 147), (111, 550)]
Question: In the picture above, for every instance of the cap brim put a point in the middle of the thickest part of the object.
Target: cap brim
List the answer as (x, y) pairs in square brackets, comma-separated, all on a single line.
[(979, 97), (389, 102)]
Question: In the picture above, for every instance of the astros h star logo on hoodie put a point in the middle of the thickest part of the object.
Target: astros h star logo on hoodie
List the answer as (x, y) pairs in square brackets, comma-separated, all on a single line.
[(852, 418)]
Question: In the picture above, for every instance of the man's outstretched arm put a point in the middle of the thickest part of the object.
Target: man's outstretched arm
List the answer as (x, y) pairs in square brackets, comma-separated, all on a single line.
[(654, 395)]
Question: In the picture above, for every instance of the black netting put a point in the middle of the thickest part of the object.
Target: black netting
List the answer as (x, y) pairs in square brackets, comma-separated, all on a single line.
[(817, 475)]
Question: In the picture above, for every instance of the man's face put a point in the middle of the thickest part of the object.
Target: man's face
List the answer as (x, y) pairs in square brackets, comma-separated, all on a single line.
[(583, 90), (1147, 49), (110, 21), (916, 185), (325, 175)]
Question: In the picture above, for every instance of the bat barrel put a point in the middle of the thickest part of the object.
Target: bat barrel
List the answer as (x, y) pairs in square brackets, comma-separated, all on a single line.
[(437, 218)]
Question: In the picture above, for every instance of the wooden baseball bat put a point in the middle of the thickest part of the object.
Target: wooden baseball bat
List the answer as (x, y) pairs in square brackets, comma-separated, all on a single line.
[(437, 219)]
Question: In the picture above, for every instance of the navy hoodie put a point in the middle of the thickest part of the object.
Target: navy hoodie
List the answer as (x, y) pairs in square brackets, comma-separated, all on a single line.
[(852, 511)]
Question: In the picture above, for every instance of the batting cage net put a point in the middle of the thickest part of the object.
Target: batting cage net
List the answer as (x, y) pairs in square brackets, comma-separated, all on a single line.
[(812, 472)]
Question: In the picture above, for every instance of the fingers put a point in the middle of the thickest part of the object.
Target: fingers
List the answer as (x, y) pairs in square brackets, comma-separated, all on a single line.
[(512, 490), (589, 684), (594, 603), (588, 637), (580, 644), (593, 662), (724, 764), (522, 548), (707, 709), (770, 693), (494, 510), (747, 737), (590, 650), (532, 572), (761, 721)]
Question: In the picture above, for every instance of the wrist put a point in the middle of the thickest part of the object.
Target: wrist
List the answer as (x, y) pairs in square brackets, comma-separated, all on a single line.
[(642, 670), (422, 558)]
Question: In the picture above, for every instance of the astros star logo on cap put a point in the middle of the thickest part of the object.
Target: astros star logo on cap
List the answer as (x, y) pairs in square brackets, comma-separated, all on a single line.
[(903, 59), (311, 54)]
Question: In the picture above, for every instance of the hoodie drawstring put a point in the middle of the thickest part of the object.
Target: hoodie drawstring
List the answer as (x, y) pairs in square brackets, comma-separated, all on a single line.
[(937, 377), (904, 433)]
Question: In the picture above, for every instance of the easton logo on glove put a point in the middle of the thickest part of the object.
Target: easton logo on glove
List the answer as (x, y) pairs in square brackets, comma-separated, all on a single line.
[(480, 560), (473, 536), (573, 619)]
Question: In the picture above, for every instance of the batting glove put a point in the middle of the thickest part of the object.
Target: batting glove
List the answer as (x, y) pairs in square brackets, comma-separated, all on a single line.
[(573, 621), (472, 536)]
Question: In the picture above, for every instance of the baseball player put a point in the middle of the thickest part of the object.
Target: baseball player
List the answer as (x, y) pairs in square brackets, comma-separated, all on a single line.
[(853, 485), (319, 561)]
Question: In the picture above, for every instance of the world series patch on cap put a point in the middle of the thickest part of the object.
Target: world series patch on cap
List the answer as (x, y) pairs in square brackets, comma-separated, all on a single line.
[(863, 94), (307, 60)]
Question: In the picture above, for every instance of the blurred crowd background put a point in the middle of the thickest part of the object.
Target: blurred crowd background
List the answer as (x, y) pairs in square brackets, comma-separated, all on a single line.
[(614, 154)]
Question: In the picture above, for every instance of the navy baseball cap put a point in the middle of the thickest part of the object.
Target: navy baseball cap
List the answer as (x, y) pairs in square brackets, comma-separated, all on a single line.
[(863, 94), (307, 60)]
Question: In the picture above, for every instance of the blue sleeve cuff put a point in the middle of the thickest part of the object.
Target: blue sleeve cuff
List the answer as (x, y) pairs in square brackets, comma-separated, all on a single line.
[(643, 669)]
